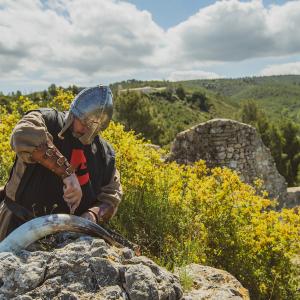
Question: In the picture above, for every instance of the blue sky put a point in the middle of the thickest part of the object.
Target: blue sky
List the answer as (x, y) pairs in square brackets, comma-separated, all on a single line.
[(85, 42), (171, 12), (168, 13)]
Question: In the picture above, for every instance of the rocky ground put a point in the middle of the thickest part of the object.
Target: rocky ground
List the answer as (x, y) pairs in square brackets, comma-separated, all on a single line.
[(69, 266)]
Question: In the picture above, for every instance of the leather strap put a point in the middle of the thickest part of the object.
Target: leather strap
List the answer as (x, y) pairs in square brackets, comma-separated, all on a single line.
[(49, 156), (18, 210), (108, 209), (94, 214)]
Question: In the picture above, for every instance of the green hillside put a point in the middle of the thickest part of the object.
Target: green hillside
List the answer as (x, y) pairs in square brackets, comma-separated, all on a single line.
[(276, 95), (168, 112), (231, 87)]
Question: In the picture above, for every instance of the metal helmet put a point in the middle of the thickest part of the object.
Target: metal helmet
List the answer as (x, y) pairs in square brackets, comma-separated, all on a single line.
[(93, 107)]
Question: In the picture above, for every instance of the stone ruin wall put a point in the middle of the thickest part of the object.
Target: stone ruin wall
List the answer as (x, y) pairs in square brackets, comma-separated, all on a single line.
[(223, 142)]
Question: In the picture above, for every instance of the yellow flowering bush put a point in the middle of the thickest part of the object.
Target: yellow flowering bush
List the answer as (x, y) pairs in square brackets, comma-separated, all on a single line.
[(8, 119), (182, 214), (62, 100)]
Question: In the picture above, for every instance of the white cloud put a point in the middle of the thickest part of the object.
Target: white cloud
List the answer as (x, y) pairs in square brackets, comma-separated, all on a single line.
[(86, 41), (192, 74), (234, 31), (80, 37), (225, 31), (282, 69)]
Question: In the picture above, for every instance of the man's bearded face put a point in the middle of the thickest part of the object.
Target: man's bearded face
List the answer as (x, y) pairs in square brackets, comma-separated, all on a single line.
[(78, 128)]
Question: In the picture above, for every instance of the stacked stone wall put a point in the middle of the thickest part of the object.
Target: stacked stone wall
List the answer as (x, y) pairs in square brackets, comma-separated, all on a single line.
[(223, 142)]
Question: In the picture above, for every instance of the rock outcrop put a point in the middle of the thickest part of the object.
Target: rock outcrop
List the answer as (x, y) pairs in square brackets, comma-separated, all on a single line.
[(211, 283), (223, 142), (69, 267), (87, 268)]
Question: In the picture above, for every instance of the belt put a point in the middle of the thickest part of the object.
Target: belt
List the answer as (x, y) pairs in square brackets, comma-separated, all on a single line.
[(18, 210)]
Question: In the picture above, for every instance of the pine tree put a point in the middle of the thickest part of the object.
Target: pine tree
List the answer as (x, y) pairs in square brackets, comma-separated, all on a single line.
[(136, 113), (250, 112), (291, 147)]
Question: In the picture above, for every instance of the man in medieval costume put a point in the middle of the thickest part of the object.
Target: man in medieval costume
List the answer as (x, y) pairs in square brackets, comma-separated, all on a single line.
[(62, 164)]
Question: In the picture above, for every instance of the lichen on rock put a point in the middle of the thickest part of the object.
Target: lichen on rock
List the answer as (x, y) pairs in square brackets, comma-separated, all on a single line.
[(82, 267)]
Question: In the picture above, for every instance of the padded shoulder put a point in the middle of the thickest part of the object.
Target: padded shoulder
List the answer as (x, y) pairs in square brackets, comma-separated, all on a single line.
[(54, 119)]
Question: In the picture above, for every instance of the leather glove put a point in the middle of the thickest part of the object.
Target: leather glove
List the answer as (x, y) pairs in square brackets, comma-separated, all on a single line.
[(72, 192)]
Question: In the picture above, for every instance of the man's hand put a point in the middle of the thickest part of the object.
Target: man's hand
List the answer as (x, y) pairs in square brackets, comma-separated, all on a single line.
[(99, 214), (72, 192), (106, 212), (89, 216)]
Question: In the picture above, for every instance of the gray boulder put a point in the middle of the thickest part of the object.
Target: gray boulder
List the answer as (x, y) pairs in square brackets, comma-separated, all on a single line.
[(70, 266), (83, 267)]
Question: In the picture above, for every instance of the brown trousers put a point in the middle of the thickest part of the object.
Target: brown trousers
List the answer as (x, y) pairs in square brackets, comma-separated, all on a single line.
[(5, 215)]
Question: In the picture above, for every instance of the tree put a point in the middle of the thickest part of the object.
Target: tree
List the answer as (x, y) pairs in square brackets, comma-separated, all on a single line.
[(275, 146), (180, 92), (74, 89), (45, 95), (201, 100), (263, 126), (136, 113), (250, 112), (18, 94), (291, 147), (52, 90), (169, 93)]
